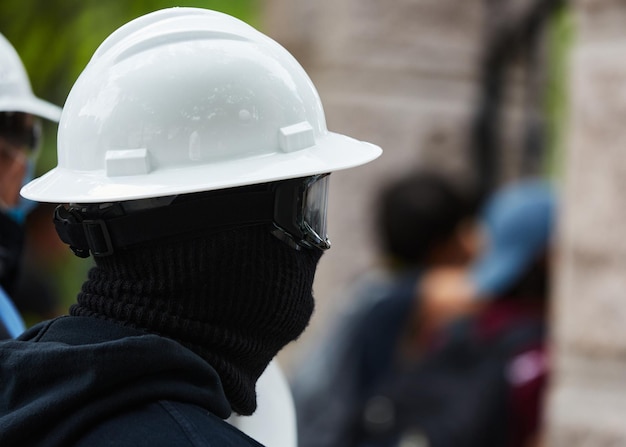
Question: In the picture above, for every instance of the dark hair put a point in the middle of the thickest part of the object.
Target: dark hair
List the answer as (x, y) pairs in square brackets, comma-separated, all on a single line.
[(421, 209)]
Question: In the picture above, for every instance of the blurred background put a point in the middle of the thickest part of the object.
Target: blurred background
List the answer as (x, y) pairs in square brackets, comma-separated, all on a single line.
[(488, 90)]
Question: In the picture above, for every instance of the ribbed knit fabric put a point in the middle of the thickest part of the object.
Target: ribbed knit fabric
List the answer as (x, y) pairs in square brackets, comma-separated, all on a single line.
[(234, 297)]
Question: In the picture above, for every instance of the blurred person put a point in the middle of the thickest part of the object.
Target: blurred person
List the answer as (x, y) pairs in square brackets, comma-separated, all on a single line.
[(20, 137), (518, 224), (423, 219), (194, 163), (480, 372), (48, 270)]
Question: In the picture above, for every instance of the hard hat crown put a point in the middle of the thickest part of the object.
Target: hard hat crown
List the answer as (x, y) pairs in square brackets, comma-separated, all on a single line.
[(185, 100)]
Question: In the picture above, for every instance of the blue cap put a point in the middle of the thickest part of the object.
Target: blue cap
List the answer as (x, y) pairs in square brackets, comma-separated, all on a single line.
[(519, 222)]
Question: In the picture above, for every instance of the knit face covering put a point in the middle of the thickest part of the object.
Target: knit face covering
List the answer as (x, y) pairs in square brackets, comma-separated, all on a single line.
[(234, 297)]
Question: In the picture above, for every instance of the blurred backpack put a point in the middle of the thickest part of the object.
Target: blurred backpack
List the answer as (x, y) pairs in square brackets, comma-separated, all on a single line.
[(455, 396)]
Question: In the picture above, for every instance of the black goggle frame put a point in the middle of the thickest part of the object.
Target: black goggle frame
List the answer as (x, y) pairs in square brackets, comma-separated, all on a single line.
[(284, 205)]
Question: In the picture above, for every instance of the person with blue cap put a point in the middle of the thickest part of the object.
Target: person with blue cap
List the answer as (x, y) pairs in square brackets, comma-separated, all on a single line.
[(20, 137), (518, 226)]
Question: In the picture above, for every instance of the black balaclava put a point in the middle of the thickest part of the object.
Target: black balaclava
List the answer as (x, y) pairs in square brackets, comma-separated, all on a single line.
[(234, 297)]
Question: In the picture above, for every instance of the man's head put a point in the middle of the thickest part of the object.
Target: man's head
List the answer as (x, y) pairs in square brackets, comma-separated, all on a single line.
[(421, 218), (20, 128), (20, 132), (193, 164)]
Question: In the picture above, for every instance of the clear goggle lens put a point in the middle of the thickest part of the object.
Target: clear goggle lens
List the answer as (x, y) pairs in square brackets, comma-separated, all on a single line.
[(300, 211), (315, 205)]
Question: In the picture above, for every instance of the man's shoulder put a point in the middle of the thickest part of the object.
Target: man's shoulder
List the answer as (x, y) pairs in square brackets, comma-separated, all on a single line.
[(166, 423)]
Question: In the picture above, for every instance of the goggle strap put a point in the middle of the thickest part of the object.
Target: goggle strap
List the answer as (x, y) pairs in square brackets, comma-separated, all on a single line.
[(103, 236)]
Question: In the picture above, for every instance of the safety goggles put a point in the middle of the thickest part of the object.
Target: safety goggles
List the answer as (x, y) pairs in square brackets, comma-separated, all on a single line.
[(294, 209), (20, 134), (300, 211)]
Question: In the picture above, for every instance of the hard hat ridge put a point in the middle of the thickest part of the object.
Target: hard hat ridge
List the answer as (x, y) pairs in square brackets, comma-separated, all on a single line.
[(171, 25)]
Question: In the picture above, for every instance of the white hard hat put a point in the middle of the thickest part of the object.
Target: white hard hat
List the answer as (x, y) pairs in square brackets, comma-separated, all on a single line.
[(185, 100), (16, 94)]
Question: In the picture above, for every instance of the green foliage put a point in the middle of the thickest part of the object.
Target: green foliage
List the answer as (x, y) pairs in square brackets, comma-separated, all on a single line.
[(561, 34)]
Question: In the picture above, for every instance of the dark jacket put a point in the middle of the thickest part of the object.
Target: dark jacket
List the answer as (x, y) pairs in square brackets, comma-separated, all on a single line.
[(88, 382), (331, 384)]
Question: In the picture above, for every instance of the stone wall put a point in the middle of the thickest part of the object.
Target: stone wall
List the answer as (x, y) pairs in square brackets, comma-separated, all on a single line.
[(587, 405)]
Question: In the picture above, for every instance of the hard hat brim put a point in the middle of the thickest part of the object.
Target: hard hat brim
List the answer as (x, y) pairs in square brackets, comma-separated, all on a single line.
[(32, 105), (332, 152)]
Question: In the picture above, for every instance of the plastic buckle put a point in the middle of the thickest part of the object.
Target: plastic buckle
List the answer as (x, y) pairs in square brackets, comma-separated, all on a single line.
[(98, 237)]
